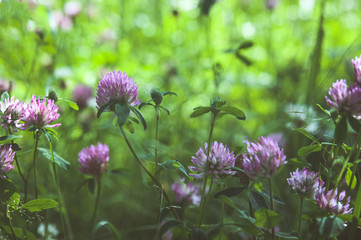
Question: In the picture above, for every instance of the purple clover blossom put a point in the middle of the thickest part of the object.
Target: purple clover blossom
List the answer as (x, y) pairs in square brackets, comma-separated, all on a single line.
[(40, 113), (332, 201), (6, 159), (305, 183), (94, 160), (220, 161), (357, 68), (263, 159), (81, 95), (345, 99), (117, 87), (13, 111), (187, 192)]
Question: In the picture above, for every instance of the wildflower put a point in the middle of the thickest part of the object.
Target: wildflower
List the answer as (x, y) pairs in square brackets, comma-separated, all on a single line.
[(72, 8), (81, 95), (13, 111), (40, 113), (94, 160), (345, 99), (263, 159), (220, 161), (333, 202), (304, 182), (117, 87), (6, 159), (357, 68), (186, 192)]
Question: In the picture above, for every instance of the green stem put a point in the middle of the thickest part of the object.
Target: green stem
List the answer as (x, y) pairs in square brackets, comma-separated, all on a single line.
[(156, 143), (199, 219), (148, 173), (96, 202), (251, 214), (37, 134), (271, 200), (56, 182), (300, 218), (206, 200)]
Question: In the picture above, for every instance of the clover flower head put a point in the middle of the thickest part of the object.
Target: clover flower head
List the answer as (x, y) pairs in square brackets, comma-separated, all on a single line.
[(263, 159), (94, 160), (190, 192), (345, 99), (40, 113), (117, 87), (6, 159), (220, 161), (13, 111), (81, 95), (357, 69), (332, 201), (304, 182)]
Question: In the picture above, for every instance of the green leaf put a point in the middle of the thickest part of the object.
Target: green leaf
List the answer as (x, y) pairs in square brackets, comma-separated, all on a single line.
[(20, 233), (230, 192), (199, 111), (257, 199), (355, 124), (348, 178), (122, 111), (7, 189), (323, 110), (266, 218), (330, 227), (142, 104), (46, 153), (140, 117), (119, 171), (168, 225), (47, 135), (228, 201), (243, 59), (9, 138), (110, 227), (4, 96), (306, 134), (14, 200), (340, 131), (174, 164), (133, 119), (83, 183), (304, 151), (40, 204), (71, 103), (236, 112), (246, 44), (169, 93), (105, 106), (164, 109), (129, 126)]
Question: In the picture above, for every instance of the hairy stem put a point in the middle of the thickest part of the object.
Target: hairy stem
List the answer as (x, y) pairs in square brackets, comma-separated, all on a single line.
[(300, 218), (271, 200)]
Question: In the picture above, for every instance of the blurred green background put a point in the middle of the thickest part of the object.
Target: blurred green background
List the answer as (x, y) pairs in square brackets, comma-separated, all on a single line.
[(273, 62)]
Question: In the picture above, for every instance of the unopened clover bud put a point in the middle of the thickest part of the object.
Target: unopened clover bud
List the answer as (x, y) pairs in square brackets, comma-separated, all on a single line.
[(217, 101), (52, 95), (157, 95)]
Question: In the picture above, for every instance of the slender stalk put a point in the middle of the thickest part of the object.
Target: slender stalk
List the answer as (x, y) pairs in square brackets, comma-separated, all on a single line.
[(199, 219), (300, 218), (16, 159), (207, 199), (251, 214), (56, 182), (96, 202), (148, 173), (37, 135), (271, 200), (156, 143)]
